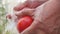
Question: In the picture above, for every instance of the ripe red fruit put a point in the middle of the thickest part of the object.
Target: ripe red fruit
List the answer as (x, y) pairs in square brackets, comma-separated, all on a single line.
[(23, 23)]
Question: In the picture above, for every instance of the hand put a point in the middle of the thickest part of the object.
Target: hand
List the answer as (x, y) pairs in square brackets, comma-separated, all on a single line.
[(29, 4), (46, 18)]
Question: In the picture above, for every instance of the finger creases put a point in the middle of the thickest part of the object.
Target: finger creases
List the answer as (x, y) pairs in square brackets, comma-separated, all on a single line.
[(20, 6), (25, 12), (29, 4)]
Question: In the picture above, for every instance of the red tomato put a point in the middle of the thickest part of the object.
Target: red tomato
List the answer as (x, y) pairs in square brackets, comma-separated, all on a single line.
[(23, 23)]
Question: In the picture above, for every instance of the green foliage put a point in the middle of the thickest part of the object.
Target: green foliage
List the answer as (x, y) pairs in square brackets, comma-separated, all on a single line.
[(7, 32), (1, 29), (3, 20)]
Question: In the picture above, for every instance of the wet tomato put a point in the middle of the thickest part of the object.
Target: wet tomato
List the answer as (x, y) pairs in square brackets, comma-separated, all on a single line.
[(24, 22)]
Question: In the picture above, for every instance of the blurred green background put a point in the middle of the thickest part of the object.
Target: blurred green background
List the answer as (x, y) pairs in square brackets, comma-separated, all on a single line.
[(3, 19)]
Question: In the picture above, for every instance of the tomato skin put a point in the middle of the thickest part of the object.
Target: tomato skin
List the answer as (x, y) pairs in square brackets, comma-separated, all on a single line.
[(24, 22)]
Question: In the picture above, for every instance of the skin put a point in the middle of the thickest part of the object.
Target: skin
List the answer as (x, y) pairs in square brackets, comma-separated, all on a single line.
[(46, 20), (29, 4)]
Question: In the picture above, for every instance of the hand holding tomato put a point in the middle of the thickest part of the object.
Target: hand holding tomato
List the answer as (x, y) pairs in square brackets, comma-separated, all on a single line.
[(44, 18)]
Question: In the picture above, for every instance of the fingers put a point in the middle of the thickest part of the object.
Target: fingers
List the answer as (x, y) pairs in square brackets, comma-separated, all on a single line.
[(25, 12), (29, 4), (20, 6), (34, 4)]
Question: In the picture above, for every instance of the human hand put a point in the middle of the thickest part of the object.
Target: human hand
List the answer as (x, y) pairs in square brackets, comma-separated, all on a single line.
[(45, 18)]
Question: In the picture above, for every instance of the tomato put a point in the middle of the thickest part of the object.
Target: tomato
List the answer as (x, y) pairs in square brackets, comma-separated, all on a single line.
[(24, 22)]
